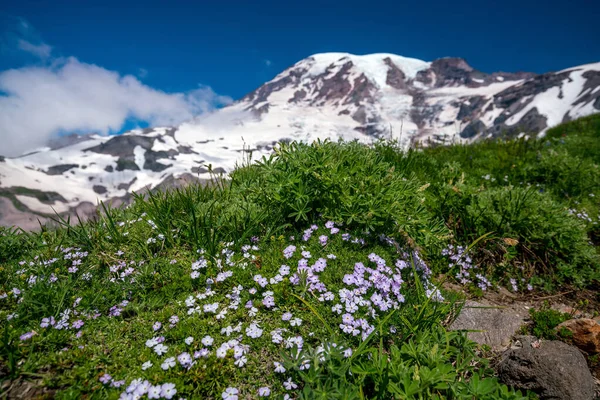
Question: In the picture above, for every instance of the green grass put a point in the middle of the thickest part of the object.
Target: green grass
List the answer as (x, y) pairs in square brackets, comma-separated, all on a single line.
[(492, 213)]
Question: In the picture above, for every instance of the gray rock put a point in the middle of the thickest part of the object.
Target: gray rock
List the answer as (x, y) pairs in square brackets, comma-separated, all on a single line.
[(99, 189), (552, 369), (498, 324), (59, 169)]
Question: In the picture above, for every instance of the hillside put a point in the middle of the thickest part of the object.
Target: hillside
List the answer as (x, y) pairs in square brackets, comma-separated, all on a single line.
[(318, 271), (325, 96)]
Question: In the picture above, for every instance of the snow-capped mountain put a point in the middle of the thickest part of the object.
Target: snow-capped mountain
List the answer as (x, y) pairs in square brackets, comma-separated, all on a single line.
[(331, 95)]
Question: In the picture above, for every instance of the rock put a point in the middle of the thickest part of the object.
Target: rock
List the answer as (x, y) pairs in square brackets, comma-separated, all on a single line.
[(552, 369), (498, 324), (586, 334)]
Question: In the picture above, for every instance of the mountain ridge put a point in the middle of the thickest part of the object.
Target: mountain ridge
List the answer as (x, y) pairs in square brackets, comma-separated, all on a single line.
[(324, 96)]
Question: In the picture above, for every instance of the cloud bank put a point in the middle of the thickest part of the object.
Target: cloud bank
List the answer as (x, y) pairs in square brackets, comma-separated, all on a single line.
[(65, 95), (40, 102)]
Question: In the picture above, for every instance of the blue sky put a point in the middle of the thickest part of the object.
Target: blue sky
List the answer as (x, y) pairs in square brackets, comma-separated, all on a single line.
[(226, 44), (228, 48)]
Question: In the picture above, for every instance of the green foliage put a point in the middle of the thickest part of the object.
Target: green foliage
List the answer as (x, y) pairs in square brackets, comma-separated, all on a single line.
[(542, 193), (552, 241), (544, 322), (433, 364), (347, 183)]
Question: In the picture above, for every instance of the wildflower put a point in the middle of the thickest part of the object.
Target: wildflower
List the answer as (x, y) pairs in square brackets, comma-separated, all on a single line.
[(221, 352), (160, 349), (211, 308), (46, 322), (174, 320), (221, 314), (323, 240), (284, 270), (207, 340), (269, 301), (184, 359), (254, 331), (305, 365), (146, 365), (230, 394), (240, 362), (279, 367), (189, 340), (27, 336), (296, 322), (286, 316), (289, 385), (155, 392), (78, 324), (264, 392), (105, 378), (168, 363), (202, 353), (288, 252), (117, 384), (168, 390)]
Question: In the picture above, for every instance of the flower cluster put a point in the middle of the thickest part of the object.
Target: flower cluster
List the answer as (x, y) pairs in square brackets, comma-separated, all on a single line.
[(467, 272)]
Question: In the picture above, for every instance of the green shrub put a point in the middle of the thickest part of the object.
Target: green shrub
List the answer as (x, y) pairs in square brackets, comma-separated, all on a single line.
[(343, 182), (544, 322)]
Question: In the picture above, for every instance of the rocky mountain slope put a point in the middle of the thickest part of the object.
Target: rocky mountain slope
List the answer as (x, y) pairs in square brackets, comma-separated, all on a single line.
[(325, 96)]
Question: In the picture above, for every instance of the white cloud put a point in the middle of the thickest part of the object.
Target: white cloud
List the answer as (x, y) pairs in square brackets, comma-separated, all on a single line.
[(41, 50), (69, 95)]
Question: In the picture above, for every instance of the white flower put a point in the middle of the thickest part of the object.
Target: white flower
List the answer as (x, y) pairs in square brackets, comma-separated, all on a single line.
[(168, 363), (146, 365), (289, 385), (168, 390), (230, 394), (154, 392), (278, 367), (222, 352), (264, 392), (160, 349), (189, 340), (240, 362), (207, 340), (211, 308), (254, 331)]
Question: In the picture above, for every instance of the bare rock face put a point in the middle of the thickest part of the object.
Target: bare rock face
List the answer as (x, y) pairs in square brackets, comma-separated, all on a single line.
[(552, 369), (497, 324), (586, 334)]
